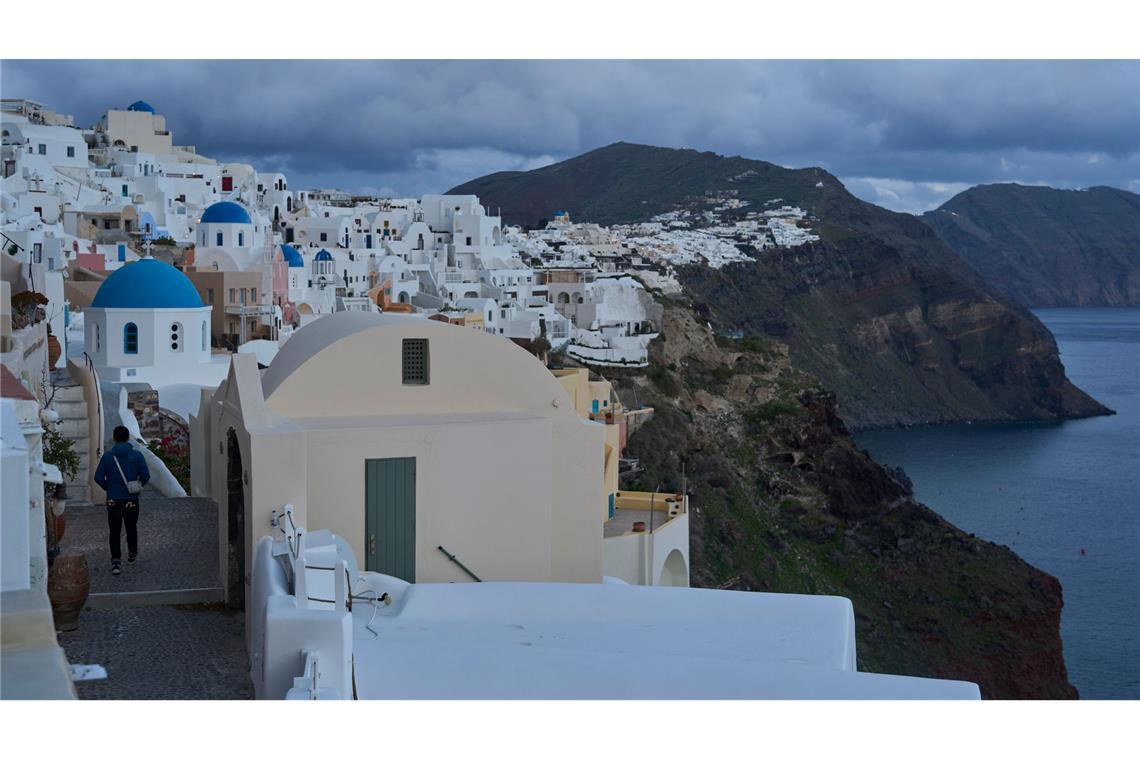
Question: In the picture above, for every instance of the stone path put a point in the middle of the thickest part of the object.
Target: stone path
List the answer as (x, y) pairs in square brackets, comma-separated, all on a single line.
[(178, 545), (184, 651)]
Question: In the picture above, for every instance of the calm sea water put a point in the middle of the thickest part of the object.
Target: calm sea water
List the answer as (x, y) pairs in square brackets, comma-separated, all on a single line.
[(1049, 491)]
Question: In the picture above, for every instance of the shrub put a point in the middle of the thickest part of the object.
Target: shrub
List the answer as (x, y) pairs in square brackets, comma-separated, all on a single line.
[(723, 373), (61, 452), (176, 458)]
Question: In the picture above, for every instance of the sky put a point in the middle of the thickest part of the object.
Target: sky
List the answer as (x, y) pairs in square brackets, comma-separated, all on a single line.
[(907, 135)]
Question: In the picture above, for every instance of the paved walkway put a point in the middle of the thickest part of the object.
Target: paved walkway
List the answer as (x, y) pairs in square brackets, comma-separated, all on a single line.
[(184, 651), (178, 545)]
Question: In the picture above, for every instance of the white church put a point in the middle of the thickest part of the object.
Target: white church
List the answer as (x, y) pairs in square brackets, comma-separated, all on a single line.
[(147, 324)]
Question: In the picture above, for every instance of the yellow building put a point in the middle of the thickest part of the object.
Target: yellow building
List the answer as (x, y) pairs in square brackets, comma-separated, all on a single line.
[(646, 534)]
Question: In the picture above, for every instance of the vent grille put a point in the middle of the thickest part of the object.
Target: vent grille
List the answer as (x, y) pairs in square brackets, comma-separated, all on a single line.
[(415, 361)]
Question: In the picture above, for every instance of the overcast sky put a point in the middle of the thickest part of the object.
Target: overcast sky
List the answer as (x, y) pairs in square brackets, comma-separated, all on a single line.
[(906, 135)]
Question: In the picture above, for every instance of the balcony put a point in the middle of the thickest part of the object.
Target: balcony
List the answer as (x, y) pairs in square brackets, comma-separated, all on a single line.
[(653, 511)]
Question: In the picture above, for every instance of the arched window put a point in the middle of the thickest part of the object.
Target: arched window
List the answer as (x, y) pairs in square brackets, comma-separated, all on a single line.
[(205, 336), (563, 297), (130, 338), (176, 337)]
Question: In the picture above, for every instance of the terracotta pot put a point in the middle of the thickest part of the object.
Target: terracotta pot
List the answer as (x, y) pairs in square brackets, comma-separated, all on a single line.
[(69, 582), (54, 350)]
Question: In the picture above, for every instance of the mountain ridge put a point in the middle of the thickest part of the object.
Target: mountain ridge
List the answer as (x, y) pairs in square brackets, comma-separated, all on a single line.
[(1045, 246), (880, 309)]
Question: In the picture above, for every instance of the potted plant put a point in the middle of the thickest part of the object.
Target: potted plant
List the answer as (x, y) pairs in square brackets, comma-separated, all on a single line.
[(61, 452), (28, 309), (55, 350)]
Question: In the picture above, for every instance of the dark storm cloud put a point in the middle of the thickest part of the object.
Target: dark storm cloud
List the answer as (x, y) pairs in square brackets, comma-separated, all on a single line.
[(906, 134)]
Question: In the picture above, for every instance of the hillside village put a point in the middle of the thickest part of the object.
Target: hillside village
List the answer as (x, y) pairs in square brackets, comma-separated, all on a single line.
[(360, 385)]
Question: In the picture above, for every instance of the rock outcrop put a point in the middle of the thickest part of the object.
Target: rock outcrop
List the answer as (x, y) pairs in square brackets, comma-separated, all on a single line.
[(784, 501)]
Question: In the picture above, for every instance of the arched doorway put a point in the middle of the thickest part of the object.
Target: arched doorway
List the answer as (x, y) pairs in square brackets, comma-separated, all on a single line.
[(235, 532), (674, 572)]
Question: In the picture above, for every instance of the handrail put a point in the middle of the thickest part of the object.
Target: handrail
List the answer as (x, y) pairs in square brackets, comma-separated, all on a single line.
[(462, 566)]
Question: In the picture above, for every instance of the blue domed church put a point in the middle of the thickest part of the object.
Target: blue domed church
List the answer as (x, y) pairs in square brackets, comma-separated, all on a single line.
[(148, 324), (227, 238)]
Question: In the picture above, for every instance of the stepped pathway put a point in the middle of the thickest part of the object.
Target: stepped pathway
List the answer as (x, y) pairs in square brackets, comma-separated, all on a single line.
[(72, 409), (159, 629)]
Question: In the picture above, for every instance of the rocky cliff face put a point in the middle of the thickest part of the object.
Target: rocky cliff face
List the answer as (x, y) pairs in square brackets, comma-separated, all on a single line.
[(901, 340), (1041, 246), (784, 501), (881, 310)]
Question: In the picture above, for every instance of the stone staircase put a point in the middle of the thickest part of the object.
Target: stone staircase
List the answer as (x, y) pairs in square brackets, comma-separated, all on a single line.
[(68, 403)]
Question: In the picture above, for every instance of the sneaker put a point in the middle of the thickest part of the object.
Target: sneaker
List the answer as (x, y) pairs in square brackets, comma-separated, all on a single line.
[(131, 556), (116, 568)]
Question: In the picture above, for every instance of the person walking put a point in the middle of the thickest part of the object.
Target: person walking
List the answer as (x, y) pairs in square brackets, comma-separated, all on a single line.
[(122, 472)]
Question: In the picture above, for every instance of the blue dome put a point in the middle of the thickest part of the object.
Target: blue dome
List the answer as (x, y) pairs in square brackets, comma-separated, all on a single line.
[(323, 255), (141, 105), (147, 284), (226, 212), (292, 256)]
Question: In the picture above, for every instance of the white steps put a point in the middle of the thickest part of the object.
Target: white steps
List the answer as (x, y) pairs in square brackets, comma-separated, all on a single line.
[(73, 423)]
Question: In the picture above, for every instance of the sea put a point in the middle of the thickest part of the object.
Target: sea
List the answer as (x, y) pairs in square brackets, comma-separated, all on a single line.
[(1064, 496)]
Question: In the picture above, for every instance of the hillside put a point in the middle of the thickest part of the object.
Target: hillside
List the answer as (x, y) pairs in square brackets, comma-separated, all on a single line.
[(784, 501), (880, 309), (1046, 247)]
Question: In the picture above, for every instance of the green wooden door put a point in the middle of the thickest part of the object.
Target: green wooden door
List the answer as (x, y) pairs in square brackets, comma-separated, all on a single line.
[(390, 517)]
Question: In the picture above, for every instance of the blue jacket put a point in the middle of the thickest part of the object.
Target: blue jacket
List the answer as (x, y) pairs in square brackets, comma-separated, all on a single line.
[(134, 467)]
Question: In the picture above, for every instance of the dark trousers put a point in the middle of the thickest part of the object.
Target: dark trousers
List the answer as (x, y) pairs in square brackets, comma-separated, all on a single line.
[(120, 512)]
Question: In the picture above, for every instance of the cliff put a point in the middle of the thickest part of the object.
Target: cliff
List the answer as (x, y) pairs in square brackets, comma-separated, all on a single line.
[(1040, 246), (898, 340), (881, 310), (784, 501)]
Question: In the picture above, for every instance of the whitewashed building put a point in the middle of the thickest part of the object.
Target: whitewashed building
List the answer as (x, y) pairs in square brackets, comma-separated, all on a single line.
[(147, 324)]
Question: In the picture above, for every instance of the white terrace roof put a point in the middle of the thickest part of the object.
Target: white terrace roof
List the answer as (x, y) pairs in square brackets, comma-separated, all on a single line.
[(611, 641)]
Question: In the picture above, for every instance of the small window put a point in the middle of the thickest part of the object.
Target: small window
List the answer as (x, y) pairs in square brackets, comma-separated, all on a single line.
[(42, 149), (206, 334), (71, 151), (210, 296), (130, 338), (253, 295), (126, 191), (324, 237), (233, 296), (415, 361), (241, 239), (469, 240), (219, 239)]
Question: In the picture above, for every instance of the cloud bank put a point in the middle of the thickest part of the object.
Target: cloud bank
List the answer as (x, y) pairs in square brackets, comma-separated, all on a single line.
[(904, 134)]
